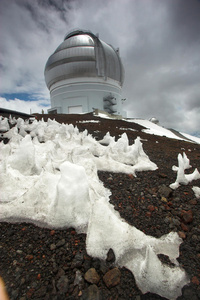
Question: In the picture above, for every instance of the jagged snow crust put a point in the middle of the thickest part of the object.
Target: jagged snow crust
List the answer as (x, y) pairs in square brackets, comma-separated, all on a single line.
[(182, 178), (49, 177)]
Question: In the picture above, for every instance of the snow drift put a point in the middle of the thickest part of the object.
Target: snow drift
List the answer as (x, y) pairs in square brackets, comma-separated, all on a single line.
[(49, 177)]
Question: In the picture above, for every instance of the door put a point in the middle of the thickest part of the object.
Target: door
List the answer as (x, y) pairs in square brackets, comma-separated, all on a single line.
[(75, 109)]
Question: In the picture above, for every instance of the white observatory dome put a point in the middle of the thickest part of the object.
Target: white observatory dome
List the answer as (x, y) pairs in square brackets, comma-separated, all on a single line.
[(83, 74)]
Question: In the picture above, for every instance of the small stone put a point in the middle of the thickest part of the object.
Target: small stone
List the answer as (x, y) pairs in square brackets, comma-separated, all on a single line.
[(162, 207), (29, 257), (60, 273), (176, 221), (187, 216), (165, 191), (52, 247), (75, 292), (63, 284), (172, 226), (80, 293), (193, 202), (23, 280), (34, 284), (60, 243), (15, 294), (195, 238), (163, 199), (148, 214), (182, 234), (78, 260), (184, 227), (110, 256), (30, 292), (130, 176), (55, 267), (162, 175), (41, 292), (96, 263), (78, 279), (112, 277), (128, 208), (151, 208), (103, 267), (92, 276), (19, 251), (167, 220), (86, 264), (91, 293), (54, 287), (195, 280), (176, 199)]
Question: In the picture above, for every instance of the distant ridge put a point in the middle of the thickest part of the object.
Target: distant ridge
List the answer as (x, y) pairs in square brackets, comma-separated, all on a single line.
[(17, 114), (180, 135)]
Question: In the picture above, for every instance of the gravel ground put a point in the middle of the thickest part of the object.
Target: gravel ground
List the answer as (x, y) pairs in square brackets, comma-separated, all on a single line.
[(39, 263)]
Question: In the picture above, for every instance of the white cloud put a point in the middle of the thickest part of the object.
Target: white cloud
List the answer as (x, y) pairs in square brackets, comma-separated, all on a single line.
[(26, 44), (25, 106)]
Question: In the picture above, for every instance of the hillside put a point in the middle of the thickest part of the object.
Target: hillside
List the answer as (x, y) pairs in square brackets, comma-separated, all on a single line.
[(39, 263)]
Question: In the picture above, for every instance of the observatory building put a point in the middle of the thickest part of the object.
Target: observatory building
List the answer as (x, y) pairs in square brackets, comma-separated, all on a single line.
[(83, 74)]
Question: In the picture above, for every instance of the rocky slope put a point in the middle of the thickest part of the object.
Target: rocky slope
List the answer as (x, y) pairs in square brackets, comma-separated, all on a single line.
[(39, 263)]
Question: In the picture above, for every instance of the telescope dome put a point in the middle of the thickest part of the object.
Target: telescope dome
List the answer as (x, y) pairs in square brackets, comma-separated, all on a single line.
[(84, 60)]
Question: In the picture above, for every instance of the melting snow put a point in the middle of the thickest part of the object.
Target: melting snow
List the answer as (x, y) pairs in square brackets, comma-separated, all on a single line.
[(49, 177), (191, 137), (89, 121), (182, 178), (196, 191), (152, 128), (129, 129)]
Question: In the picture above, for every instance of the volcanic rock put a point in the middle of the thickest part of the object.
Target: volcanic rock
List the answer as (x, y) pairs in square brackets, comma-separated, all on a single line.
[(112, 277), (110, 256), (187, 216), (92, 276), (63, 284), (91, 293)]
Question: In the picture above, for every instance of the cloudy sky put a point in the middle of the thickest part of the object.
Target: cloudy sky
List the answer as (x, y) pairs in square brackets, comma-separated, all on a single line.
[(159, 43)]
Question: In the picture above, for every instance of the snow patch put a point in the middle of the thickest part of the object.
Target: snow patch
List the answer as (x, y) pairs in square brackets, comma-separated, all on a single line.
[(49, 177), (182, 178), (196, 191)]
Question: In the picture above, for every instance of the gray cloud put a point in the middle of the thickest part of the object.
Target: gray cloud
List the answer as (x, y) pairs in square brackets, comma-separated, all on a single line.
[(159, 44), (38, 8), (184, 18)]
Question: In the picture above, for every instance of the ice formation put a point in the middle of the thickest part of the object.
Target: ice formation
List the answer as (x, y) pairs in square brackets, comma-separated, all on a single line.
[(196, 191), (4, 125), (182, 178), (49, 177)]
